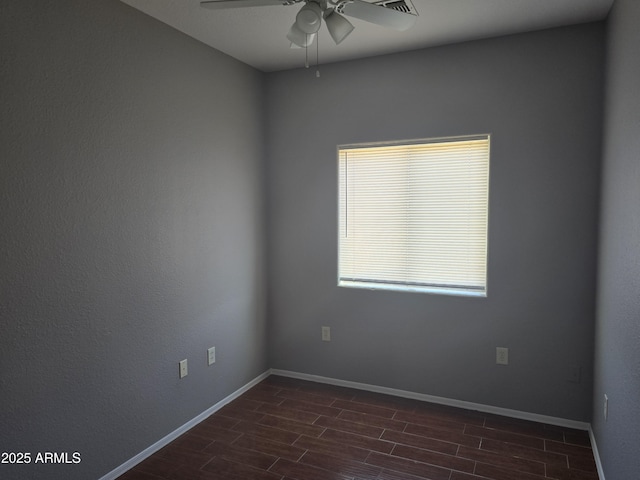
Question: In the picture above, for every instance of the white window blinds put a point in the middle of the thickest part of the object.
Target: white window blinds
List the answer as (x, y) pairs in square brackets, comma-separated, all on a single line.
[(414, 216)]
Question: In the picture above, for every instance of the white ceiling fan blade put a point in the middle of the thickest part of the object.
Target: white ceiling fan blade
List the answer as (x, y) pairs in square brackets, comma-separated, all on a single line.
[(222, 4), (377, 14)]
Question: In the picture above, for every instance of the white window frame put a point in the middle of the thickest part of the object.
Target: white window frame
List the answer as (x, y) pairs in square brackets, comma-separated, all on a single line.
[(375, 253)]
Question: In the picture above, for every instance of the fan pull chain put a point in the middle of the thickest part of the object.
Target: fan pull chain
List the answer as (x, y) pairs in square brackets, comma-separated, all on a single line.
[(318, 54), (306, 51)]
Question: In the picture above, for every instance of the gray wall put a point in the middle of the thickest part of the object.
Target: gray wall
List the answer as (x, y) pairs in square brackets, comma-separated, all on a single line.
[(540, 97), (131, 231), (617, 352)]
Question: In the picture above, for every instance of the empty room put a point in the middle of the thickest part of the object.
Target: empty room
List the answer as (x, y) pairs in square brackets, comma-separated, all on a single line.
[(320, 240)]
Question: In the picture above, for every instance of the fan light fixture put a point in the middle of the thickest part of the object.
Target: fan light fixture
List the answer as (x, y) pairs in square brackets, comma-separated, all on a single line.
[(338, 26), (309, 18), (307, 24), (298, 38)]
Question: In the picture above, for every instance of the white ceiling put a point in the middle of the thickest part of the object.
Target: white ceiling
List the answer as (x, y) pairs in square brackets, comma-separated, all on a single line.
[(256, 35)]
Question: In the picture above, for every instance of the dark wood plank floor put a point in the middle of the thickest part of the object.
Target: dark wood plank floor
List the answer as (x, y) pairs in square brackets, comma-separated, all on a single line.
[(285, 429)]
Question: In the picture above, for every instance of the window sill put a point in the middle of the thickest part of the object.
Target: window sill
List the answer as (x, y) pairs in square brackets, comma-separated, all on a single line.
[(458, 292)]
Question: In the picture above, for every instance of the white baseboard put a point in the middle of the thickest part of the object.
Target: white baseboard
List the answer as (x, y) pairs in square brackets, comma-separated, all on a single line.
[(562, 422), (596, 454), (129, 464)]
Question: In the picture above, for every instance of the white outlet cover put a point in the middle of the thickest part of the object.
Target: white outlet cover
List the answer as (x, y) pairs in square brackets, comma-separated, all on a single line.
[(184, 369), (326, 334), (502, 356), (211, 355)]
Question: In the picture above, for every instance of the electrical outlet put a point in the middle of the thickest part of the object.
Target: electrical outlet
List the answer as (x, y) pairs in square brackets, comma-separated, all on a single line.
[(184, 371), (211, 356), (326, 334), (606, 407), (502, 356)]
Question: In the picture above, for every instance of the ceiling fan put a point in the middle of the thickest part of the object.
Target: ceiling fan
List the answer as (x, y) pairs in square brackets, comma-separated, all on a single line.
[(395, 14)]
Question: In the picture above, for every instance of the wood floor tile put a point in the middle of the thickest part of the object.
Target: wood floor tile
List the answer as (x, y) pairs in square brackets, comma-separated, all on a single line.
[(311, 407), (275, 434), (523, 427), (323, 389), (236, 412), (292, 429), (307, 397), (268, 446), (585, 463), (448, 413), (465, 476), (525, 452), (180, 456), (395, 475), (301, 471), (341, 465), (220, 421), (364, 408), (580, 458), (243, 403), (264, 397), (287, 425), (333, 447), (421, 470), (290, 413), (576, 450), (156, 465), (507, 461), (577, 438), (209, 431), (431, 420), (372, 420), (387, 401), (230, 469), (367, 443), (500, 473), (560, 473), (264, 387), (420, 442), (352, 427), (434, 458), (443, 435), (186, 472), (136, 475), (241, 455), (191, 441), (505, 436)]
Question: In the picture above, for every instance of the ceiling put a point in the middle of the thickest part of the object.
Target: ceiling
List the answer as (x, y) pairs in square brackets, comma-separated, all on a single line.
[(257, 35)]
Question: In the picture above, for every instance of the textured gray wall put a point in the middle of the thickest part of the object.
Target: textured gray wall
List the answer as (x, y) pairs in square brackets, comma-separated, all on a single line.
[(131, 231), (617, 352), (540, 96)]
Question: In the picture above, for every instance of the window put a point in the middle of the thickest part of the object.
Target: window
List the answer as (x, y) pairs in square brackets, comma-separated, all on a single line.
[(413, 215)]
